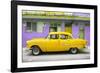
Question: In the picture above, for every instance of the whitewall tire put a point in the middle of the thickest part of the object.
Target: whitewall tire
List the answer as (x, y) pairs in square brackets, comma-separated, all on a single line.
[(73, 50), (35, 50)]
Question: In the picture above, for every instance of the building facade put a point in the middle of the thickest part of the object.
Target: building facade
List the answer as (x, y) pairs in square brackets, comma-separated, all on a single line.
[(35, 25)]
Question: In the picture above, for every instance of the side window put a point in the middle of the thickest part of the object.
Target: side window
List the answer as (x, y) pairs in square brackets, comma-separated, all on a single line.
[(54, 36), (62, 36), (69, 37)]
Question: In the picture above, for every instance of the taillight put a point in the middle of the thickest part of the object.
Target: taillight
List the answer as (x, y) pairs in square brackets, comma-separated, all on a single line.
[(86, 42)]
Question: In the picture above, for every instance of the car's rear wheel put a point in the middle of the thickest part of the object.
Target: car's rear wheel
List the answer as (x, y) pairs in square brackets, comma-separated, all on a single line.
[(35, 50), (73, 50)]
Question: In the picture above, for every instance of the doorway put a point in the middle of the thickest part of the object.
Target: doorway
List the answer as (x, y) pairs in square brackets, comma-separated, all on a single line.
[(55, 26), (81, 31), (68, 28)]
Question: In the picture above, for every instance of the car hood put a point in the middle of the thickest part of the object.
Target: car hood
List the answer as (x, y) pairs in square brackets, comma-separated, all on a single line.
[(35, 39)]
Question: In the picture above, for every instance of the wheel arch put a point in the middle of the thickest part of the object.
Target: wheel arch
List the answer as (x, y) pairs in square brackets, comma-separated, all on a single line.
[(74, 48), (36, 46)]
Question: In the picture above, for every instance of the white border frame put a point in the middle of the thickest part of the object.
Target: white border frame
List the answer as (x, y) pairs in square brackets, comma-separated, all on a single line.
[(52, 63)]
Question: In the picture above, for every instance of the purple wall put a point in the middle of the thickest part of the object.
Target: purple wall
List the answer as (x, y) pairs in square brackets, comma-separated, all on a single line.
[(75, 30), (29, 35), (87, 34), (63, 26)]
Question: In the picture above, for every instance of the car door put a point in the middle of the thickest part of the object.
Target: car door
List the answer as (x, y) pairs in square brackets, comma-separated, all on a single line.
[(52, 43), (64, 42)]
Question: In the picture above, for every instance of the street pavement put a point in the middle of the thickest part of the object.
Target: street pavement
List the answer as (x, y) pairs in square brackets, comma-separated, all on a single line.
[(28, 57)]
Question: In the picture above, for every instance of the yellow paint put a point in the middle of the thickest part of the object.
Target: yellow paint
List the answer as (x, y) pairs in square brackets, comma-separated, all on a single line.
[(54, 45), (68, 28)]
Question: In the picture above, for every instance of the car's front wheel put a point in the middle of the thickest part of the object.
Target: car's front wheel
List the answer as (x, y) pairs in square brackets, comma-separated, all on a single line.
[(35, 50), (73, 50)]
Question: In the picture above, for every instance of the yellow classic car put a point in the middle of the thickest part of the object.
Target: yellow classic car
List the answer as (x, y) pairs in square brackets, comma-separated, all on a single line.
[(56, 42)]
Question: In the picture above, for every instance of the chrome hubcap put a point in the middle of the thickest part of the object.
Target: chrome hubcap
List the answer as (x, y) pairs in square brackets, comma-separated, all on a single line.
[(74, 50), (35, 51)]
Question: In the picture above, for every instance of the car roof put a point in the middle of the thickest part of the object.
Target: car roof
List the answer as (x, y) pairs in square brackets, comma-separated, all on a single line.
[(66, 33)]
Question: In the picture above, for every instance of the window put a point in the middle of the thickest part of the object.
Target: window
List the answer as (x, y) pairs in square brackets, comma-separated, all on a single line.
[(62, 36), (54, 36), (55, 26), (69, 37), (34, 26), (28, 26), (40, 26), (31, 26)]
